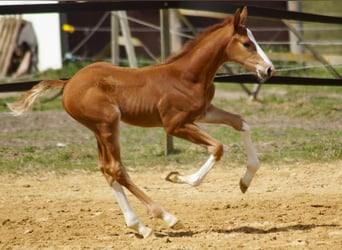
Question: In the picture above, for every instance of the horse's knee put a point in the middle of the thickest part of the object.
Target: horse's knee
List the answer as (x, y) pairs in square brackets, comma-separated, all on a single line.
[(238, 123)]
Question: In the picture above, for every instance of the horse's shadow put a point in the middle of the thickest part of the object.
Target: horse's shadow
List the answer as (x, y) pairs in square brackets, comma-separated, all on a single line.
[(245, 230)]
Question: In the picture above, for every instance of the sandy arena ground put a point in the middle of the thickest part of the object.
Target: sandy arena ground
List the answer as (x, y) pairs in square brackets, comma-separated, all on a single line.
[(287, 207)]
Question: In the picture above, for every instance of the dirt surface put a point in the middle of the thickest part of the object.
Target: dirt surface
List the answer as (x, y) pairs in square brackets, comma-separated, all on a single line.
[(287, 207)]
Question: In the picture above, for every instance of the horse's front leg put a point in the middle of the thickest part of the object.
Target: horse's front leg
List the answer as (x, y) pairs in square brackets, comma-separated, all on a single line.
[(253, 163), (218, 116)]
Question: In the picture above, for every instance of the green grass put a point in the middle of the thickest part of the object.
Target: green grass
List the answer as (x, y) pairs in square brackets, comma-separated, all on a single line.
[(28, 159), (291, 125), (288, 128), (299, 145)]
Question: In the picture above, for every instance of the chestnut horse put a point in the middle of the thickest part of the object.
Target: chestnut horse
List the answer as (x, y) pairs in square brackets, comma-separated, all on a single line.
[(174, 95)]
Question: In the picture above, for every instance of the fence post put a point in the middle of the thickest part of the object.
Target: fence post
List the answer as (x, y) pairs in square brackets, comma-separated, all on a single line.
[(295, 47), (165, 52), (115, 51), (132, 59)]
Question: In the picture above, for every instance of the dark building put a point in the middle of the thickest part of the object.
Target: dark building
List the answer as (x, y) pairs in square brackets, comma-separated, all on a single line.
[(98, 24)]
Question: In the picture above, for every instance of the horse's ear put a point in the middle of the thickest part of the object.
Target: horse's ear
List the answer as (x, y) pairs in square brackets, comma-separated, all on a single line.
[(243, 16), (236, 18)]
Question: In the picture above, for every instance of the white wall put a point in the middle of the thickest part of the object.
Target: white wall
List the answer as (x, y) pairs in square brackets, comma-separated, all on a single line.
[(47, 29)]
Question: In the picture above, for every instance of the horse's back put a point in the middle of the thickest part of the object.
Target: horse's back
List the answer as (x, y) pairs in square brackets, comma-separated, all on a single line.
[(106, 85)]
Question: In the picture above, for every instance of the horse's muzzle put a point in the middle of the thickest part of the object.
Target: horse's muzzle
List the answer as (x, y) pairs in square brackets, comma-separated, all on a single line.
[(264, 74)]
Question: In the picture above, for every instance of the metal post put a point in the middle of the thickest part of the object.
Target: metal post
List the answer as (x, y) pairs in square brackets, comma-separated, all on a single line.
[(164, 33), (165, 52), (295, 47), (132, 59), (175, 26), (115, 38)]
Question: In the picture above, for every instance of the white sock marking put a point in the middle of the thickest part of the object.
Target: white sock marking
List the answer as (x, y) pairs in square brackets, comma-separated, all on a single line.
[(196, 178), (169, 219), (253, 163), (131, 218)]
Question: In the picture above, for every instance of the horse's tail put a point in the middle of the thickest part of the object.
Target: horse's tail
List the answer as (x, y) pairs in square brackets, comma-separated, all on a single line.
[(27, 99)]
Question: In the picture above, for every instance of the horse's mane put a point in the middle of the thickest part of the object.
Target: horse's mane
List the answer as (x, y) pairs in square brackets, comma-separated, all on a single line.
[(193, 42)]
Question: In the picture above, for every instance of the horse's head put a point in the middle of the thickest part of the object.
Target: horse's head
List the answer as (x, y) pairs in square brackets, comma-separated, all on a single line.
[(244, 49)]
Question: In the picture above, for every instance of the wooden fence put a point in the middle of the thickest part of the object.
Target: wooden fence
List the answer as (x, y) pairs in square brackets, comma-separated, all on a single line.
[(9, 31), (214, 6), (221, 6)]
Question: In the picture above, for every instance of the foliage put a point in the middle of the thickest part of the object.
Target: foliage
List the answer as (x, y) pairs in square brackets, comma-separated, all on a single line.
[(68, 70)]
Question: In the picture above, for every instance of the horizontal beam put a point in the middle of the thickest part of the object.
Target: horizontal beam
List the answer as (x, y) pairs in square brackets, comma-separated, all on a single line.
[(215, 6), (281, 80), (17, 86), (243, 78), (230, 7)]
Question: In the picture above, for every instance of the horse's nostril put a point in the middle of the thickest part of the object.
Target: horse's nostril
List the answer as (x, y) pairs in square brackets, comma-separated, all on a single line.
[(270, 71)]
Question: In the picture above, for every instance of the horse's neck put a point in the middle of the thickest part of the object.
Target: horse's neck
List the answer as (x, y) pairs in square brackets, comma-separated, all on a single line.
[(203, 61)]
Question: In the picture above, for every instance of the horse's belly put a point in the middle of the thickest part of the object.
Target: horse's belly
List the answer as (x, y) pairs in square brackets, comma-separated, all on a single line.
[(142, 119)]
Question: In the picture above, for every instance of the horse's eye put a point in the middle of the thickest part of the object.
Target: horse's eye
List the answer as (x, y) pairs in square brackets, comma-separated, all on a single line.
[(246, 44)]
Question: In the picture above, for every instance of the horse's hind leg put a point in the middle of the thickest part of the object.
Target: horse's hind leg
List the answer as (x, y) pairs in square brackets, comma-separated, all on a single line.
[(131, 219), (116, 175)]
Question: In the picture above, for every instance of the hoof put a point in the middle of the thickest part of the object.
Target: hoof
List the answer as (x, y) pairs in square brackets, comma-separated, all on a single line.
[(147, 233), (178, 225), (173, 177), (243, 186), (142, 230)]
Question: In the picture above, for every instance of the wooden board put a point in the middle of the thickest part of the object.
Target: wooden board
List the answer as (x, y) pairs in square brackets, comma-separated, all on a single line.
[(9, 30)]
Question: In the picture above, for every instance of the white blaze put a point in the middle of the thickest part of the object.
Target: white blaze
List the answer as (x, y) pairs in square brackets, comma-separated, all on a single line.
[(259, 50)]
